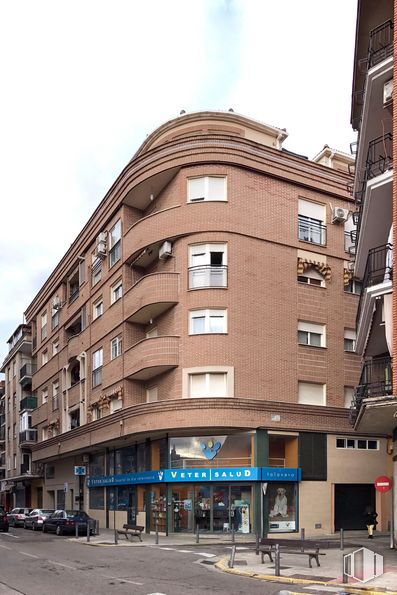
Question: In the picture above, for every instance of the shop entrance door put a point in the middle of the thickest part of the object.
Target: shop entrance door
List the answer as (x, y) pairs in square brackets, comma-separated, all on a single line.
[(202, 507), (220, 509)]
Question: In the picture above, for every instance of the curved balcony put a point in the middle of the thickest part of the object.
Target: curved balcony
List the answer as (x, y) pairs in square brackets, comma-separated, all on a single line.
[(151, 357), (151, 296)]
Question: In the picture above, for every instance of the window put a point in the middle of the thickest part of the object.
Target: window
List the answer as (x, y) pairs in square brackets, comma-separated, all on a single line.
[(350, 340), (354, 286), (74, 418), (312, 456), (55, 348), (357, 443), (311, 220), (207, 266), (74, 285), (151, 394), (97, 363), (115, 347), (96, 413), (55, 313), (96, 270), (115, 405), (44, 357), (115, 244), (44, 395), (116, 291), (97, 309), (43, 326), (14, 368), (55, 395), (14, 427), (44, 433), (310, 393), (312, 277), (15, 461), (349, 394), (207, 321), (212, 384), (311, 334), (206, 188), (97, 498), (25, 422)]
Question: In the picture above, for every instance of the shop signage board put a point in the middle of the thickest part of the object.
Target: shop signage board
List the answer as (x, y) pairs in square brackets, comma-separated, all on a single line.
[(202, 474)]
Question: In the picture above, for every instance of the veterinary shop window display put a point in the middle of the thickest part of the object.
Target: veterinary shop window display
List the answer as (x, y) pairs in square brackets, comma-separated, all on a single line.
[(282, 507)]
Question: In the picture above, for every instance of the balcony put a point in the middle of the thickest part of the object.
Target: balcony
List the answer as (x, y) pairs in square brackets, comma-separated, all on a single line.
[(25, 469), (151, 357), (311, 230), (151, 296), (28, 437), (28, 403), (26, 373), (2, 433), (375, 382), (378, 270), (380, 43), (207, 276)]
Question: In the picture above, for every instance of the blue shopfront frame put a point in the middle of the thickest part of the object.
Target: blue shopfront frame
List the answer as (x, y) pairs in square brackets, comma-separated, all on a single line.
[(201, 474)]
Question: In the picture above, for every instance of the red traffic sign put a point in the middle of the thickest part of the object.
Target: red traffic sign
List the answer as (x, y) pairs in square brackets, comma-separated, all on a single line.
[(383, 483)]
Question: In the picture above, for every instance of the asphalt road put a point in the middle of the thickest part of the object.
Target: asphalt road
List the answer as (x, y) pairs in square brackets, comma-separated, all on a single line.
[(33, 563)]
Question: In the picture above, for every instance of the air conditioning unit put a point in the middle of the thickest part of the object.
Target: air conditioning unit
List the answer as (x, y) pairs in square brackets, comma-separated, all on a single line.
[(388, 92), (339, 215), (165, 250), (56, 303), (100, 250), (350, 267), (101, 239)]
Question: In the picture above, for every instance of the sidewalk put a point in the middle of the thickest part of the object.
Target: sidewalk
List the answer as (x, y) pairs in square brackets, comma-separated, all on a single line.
[(294, 569)]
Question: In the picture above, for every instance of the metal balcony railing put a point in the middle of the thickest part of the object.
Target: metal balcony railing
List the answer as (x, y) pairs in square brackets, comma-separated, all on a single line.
[(379, 156), (27, 370), (378, 269), (375, 381), (380, 43), (28, 403), (207, 276), (311, 230), (28, 436)]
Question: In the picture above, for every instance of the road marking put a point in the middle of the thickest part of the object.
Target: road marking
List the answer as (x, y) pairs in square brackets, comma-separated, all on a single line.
[(26, 554), (185, 551), (323, 588), (60, 564), (168, 549), (11, 535), (6, 547), (204, 554), (156, 594), (123, 580)]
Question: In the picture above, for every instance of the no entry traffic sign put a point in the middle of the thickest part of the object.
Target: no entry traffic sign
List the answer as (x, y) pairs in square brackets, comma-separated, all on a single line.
[(383, 483)]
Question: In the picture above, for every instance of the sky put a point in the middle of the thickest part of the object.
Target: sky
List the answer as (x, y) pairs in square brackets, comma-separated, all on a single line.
[(84, 82)]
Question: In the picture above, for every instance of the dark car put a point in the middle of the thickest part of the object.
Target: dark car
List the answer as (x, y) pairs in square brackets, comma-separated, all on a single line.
[(35, 519), (64, 521), (3, 520), (16, 517)]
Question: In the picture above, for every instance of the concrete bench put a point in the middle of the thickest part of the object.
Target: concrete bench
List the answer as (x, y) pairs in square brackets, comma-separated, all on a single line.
[(131, 531)]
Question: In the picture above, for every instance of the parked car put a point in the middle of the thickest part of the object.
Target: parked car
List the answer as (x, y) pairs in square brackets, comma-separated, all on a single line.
[(3, 520), (64, 521), (16, 517), (35, 519)]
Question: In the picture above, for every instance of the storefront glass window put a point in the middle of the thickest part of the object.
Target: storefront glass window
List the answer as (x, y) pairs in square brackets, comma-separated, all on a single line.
[(122, 497), (211, 451), (97, 498), (128, 459), (142, 457), (282, 507), (97, 464)]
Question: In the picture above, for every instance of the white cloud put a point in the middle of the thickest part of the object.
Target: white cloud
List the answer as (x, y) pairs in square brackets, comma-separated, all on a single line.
[(83, 83)]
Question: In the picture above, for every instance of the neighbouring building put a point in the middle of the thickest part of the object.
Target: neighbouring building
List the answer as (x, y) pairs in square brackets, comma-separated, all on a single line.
[(193, 353), (375, 404)]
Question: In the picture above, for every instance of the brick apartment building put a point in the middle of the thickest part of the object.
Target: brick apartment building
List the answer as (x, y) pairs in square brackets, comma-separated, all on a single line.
[(194, 351), (375, 403)]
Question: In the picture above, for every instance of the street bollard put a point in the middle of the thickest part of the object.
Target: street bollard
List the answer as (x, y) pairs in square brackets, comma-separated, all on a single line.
[(88, 531), (302, 539), (77, 530), (232, 556), (157, 532), (232, 533), (345, 578), (277, 561), (342, 541), (197, 534), (257, 544), (116, 537)]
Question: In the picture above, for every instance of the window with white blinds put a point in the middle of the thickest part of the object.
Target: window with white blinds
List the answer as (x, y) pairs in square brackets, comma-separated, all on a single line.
[(350, 340), (206, 188), (212, 384), (207, 321), (311, 334), (310, 393), (313, 210)]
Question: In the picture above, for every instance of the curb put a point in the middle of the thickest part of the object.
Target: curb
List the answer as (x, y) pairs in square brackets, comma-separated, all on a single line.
[(223, 566)]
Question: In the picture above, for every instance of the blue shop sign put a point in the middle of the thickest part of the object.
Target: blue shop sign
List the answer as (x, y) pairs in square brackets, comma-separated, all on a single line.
[(281, 474), (213, 474), (125, 479)]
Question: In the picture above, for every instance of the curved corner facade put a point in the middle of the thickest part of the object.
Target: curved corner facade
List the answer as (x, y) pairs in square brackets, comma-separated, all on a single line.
[(194, 349)]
